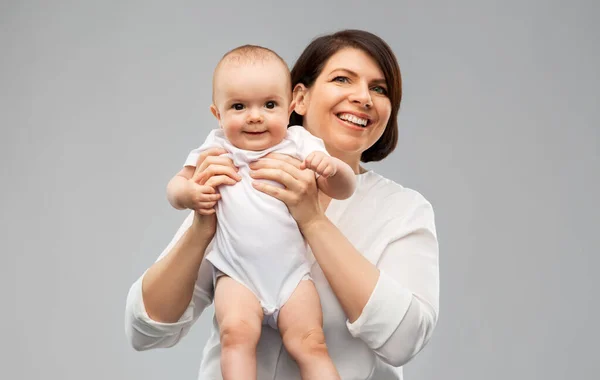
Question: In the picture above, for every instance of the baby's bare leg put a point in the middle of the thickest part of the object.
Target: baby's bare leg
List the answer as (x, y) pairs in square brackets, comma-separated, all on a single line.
[(300, 322), (240, 316)]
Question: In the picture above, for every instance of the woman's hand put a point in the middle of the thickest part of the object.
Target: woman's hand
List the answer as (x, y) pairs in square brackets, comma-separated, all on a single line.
[(212, 171), (299, 192)]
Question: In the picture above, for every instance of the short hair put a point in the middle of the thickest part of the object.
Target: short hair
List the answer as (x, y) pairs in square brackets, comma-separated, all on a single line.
[(249, 54), (313, 59)]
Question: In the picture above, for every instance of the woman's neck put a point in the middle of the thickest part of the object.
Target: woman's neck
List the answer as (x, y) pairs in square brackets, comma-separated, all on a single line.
[(351, 159)]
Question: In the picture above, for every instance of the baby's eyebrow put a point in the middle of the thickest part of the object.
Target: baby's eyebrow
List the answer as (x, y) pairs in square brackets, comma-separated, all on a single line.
[(273, 97), (232, 101)]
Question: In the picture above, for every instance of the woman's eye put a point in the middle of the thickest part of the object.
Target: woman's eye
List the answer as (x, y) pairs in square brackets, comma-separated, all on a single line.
[(238, 106), (270, 105), (380, 90), (341, 79)]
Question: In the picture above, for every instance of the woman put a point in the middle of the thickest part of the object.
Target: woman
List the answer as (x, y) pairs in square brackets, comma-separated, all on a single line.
[(374, 255)]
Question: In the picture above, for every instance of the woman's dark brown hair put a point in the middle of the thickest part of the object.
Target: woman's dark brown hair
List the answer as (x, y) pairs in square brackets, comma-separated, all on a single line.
[(317, 53)]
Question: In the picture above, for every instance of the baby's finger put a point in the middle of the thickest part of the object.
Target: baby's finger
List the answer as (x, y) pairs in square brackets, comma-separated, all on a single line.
[(323, 165), (309, 159), (317, 162), (205, 205), (328, 172), (209, 197)]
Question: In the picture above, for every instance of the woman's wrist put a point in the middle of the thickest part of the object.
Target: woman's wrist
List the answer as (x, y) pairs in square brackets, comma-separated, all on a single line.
[(203, 227), (313, 225)]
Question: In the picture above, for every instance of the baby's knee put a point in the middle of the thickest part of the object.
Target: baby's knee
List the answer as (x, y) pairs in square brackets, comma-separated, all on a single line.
[(305, 344), (239, 333)]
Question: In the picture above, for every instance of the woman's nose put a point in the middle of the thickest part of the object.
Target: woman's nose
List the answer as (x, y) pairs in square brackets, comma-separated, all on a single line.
[(362, 96)]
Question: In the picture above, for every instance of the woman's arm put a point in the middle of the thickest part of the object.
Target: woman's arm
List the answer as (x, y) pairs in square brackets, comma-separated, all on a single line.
[(145, 332), (168, 285), (351, 276), (163, 304), (393, 305), (394, 315)]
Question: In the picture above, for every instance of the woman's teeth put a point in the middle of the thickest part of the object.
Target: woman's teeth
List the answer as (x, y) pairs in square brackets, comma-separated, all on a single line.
[(353, 119)]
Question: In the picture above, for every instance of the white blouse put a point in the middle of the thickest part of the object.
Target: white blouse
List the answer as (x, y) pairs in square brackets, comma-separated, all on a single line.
[(394, 228)]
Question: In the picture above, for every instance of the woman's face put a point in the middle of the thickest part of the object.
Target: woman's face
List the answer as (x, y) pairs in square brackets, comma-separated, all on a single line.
[(347, 106)]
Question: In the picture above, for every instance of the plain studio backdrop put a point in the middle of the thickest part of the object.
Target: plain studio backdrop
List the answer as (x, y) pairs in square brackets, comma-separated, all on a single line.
[(100, 102)]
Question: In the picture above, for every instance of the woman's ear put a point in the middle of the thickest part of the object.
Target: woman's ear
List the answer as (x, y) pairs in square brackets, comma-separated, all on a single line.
[(300, 99)]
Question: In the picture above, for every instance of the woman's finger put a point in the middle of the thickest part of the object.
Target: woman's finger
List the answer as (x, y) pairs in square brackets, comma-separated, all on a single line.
[(286, 158), (272, 163), (207, 153), (215, 160), (281, 176), (218, 180), (214, 170), (282, 194)]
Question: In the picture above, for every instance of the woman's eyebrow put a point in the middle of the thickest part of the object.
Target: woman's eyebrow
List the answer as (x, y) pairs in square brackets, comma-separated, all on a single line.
[(380, 81), (347, 71), (352, 73)]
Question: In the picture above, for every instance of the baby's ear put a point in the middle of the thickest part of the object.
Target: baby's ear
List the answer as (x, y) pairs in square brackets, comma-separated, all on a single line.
[(215, 111)]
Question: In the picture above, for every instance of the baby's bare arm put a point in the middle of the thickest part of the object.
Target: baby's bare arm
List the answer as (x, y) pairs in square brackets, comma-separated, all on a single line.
[(178, 189), (342, 184)]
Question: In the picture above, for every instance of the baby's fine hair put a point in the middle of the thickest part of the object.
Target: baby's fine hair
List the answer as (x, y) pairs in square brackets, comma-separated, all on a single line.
[(249, 54)]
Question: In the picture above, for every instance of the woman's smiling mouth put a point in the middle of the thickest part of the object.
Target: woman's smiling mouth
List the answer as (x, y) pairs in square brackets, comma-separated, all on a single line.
[(354, 120)]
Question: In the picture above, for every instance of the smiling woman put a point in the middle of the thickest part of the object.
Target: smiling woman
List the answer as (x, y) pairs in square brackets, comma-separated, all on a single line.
[(373, 257), (347, 105), (360, 68)]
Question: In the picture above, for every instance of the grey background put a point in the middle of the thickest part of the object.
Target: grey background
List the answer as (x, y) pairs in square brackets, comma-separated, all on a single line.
[(100, 101)]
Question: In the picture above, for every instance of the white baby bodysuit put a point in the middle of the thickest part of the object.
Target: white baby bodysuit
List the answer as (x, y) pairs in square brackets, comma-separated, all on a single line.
[(258, 242)]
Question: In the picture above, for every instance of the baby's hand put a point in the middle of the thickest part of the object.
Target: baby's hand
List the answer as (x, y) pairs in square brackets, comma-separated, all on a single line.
[(320, 163), (201, 198)]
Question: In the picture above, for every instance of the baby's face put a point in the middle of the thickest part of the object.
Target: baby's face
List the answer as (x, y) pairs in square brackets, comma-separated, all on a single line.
[(252, 103)]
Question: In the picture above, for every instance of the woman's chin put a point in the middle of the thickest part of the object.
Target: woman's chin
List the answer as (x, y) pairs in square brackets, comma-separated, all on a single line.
[(347, 144)]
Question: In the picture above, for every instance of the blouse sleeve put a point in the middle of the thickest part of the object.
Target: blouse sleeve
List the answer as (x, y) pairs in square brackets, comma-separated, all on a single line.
[(399, 317), (144, 333)]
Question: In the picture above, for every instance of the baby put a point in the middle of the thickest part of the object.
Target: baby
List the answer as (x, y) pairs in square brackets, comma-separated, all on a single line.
[(258, 252)]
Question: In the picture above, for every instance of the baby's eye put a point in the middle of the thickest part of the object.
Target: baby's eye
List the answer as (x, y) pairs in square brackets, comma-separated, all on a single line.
[(341, 79), (380, 90), (270, 104), (237, 106)]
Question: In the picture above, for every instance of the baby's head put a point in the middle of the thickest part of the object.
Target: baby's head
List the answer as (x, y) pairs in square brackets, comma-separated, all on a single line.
[(252, 96)]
